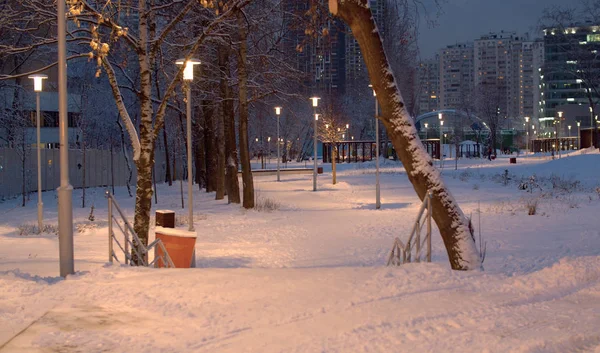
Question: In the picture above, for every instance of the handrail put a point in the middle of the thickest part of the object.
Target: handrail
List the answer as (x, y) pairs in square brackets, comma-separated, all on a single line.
[(401, 252), (138, 249)]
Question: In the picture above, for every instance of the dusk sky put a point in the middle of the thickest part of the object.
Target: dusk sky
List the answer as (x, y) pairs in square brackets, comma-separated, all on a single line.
[(466, 20)]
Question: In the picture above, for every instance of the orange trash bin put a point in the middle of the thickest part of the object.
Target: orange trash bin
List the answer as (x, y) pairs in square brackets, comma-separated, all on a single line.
[(179, 244)]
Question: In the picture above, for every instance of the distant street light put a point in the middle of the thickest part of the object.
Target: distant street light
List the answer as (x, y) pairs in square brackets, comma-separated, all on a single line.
[(188, 77), (528, 137), (278, 113), (377, 186), (441, 143), (558, 144), (315, 104), (579, 135), (37, 87), (269, 147)]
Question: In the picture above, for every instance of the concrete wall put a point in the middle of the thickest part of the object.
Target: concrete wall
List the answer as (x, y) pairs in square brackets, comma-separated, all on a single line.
[(98, 169)]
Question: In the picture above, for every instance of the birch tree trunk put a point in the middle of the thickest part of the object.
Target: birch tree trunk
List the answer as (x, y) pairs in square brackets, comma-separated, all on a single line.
[(231, 169), (452, 223), (248, 183)]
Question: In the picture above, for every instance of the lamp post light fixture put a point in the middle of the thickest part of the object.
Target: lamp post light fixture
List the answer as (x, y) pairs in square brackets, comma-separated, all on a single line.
[(377, 185), (37, 87), (315, 104), (441, 142), (426, 126), (528, 137), (188, 77), (558, 144), (269, 147), (278, 113), (65, 191), (578, 135)]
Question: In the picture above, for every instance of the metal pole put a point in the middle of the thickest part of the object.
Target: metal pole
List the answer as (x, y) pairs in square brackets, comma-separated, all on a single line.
[(40, 204), (429, 208), (578, 136), (377, 188), (110, 230), (189, 158), (315, 153), (278, 149), (441, 147), (65, 191)]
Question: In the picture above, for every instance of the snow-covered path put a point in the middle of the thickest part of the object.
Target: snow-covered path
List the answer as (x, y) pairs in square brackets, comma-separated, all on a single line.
[(421, 308), (309, 277)]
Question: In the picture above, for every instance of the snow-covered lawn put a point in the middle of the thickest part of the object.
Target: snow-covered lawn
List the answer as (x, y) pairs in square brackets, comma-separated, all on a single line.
[(310, 276)]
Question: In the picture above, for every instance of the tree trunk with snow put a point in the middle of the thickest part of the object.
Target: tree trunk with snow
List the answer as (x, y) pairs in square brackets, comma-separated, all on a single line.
[(248, 183), (448, 216), (231, 168)]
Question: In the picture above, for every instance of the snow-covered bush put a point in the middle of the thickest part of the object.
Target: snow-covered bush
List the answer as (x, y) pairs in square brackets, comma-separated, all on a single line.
[(531, 205), (32, 229), (265, 204)]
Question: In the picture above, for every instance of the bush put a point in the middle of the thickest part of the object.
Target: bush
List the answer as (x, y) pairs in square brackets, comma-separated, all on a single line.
[(265, 204), (31, 229), (532, 206)]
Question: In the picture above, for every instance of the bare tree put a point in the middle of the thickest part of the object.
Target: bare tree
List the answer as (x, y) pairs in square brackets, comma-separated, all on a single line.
[(331, 130)]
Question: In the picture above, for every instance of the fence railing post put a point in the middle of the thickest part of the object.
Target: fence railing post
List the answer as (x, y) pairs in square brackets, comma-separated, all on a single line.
[(429, 226), (418, 240), (110, 229), (126, 234)]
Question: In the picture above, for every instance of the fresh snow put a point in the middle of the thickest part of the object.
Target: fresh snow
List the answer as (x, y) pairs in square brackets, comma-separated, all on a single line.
[(310, 276)]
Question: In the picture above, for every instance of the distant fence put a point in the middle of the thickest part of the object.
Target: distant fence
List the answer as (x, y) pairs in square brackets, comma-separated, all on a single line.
[(100, 169)]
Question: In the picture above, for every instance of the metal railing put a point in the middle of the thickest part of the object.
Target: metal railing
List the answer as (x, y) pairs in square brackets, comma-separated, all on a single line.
[(402, 253), (131, 244)]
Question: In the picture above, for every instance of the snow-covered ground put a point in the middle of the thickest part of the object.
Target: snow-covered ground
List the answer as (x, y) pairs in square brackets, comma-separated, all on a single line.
[(310, 276)]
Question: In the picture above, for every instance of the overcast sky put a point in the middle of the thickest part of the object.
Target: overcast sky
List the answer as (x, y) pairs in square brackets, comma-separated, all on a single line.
[(466, 20)]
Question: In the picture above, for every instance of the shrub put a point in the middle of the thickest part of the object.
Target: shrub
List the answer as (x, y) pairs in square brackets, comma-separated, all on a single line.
[(31, 229), (265, 204), (532, 206)]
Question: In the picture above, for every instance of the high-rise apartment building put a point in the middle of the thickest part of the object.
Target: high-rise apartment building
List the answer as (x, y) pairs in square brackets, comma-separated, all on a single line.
[(571, 70), (509, 64), (456, 75), (428, 86), (531, 59)]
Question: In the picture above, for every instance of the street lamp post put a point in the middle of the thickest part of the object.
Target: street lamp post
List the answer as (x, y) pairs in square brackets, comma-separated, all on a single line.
[(315, 104), (377, 184), (426, 125), (579, 135), (558, 144), (37, 87), (528, 137), (269, 148), (65, 191), (441, 144), (188, 77), (278, 113)]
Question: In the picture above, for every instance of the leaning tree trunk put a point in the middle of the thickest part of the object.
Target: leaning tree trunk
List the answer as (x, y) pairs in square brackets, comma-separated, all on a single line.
[(232, 185), (247, 181), (448, 216)]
